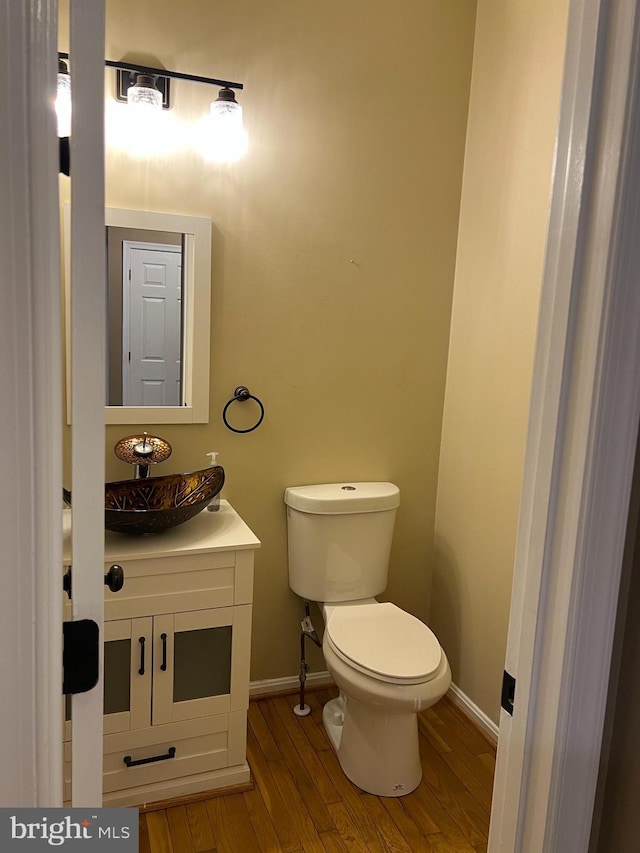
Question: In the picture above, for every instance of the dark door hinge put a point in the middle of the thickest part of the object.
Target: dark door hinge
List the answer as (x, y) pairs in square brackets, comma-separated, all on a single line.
[(508, 692), (80, 655)]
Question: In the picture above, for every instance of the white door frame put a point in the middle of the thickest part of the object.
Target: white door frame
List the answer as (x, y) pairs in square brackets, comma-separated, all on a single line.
[(578, 470), (31, 392), (88, 338), (582, 439)]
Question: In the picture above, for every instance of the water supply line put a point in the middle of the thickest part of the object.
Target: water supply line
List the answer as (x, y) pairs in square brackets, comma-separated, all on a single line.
[(308, 630)]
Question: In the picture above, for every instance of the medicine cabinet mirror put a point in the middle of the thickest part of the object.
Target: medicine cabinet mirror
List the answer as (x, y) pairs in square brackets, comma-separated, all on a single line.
[(158, 295)]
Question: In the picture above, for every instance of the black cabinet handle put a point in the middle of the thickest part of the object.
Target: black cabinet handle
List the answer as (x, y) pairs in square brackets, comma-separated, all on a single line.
[(141, 640), (163, 665), (131, 763)]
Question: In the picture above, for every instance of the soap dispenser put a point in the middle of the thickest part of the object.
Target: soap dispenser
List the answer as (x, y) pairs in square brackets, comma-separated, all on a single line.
[(214, 503)]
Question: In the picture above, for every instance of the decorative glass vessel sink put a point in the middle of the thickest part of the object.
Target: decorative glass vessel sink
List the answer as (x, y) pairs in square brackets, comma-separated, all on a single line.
[(152, 504)]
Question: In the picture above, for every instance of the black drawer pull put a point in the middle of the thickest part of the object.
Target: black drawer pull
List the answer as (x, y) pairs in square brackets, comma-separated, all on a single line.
[(163, 665), (131, 763), (141, 641)]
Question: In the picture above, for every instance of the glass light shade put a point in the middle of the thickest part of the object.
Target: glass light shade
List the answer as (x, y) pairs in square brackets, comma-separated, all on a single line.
[(228, 142), (144, 95), (63, 104)]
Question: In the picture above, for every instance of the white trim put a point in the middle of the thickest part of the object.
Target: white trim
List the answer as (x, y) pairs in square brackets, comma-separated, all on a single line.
[(471, 709), (290, 682), (30, 388), (613, 300), (582, 438)]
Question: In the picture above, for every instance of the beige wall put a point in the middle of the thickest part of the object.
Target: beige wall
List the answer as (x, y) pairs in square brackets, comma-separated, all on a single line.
[(333, 256), (516, 79)]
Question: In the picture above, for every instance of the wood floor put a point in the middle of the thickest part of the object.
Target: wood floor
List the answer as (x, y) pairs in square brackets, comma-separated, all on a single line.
[(302, 802)]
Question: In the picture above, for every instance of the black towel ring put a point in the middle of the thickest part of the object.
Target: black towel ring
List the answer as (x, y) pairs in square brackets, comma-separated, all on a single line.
[(241, 395)]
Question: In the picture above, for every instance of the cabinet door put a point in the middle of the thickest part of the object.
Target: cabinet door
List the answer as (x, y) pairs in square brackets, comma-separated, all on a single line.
[(192, 664), (127, 674)]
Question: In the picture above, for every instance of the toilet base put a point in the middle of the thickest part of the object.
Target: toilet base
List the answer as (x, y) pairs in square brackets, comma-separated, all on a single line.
[(378, 752)]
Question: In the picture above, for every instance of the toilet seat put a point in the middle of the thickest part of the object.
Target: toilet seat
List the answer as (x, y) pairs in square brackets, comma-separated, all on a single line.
[(385, 642)]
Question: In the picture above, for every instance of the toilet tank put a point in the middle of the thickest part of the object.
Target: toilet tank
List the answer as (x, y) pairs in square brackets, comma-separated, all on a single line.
[(340, 539)]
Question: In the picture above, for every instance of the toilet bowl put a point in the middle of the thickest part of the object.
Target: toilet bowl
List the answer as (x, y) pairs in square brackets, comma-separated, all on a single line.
[(388, 666)]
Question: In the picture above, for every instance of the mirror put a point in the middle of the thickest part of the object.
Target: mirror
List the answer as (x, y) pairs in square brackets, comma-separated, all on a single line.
[(158, 292)]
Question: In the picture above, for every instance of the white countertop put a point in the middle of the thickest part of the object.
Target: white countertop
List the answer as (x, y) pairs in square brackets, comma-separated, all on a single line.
[(208, 531)]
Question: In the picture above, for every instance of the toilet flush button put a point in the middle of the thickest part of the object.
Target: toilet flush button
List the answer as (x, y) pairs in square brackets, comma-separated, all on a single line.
[(348, 488)]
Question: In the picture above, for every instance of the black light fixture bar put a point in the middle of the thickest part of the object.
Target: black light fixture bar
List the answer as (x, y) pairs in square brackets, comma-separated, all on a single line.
[(163, 72)]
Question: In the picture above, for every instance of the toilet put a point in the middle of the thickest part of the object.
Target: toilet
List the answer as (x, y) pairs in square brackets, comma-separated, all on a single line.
[(387, 664)]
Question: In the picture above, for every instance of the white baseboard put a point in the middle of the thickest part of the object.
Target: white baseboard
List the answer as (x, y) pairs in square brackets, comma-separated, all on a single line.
[(292, 682), (479, 717)]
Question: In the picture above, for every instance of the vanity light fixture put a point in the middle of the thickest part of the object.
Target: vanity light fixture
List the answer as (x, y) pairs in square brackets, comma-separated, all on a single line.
[(149, 88)]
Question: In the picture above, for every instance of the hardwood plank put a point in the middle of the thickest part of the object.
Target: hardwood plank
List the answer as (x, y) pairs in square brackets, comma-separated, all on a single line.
[(441, 844), (305, 786), (385, 825), (488, 760), (466, 765), (476, 814), (143, 835), (425, 811), (296, 810), (231, 825), (262, 732), (179, 829), (407, 826), (473, 784), (287, 834), (436, 772), (347, 829), (351, 797), (297, 728), (441, 812), (159, 837), (445, 789), (312, 724), (452, 719), (200, 827), (467, 720), (333, 843), (261, 822), (429, 723)]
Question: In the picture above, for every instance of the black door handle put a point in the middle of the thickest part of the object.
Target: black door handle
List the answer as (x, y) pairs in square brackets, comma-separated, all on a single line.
[(114, 578)]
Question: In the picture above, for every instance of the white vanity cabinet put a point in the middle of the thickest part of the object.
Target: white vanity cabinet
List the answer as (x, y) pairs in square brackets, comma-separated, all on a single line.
[(177, 641)]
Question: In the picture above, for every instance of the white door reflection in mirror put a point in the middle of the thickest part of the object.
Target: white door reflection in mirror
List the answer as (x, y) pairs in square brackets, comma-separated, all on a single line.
[(151, 324), (154, 342)]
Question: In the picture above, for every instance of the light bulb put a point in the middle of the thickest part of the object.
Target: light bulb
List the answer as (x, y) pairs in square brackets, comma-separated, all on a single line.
[(228, 140), (63, 100), (144, 95)]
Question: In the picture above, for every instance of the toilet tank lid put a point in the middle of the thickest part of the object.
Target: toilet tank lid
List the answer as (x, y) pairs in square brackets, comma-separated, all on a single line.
[(346, 497)]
